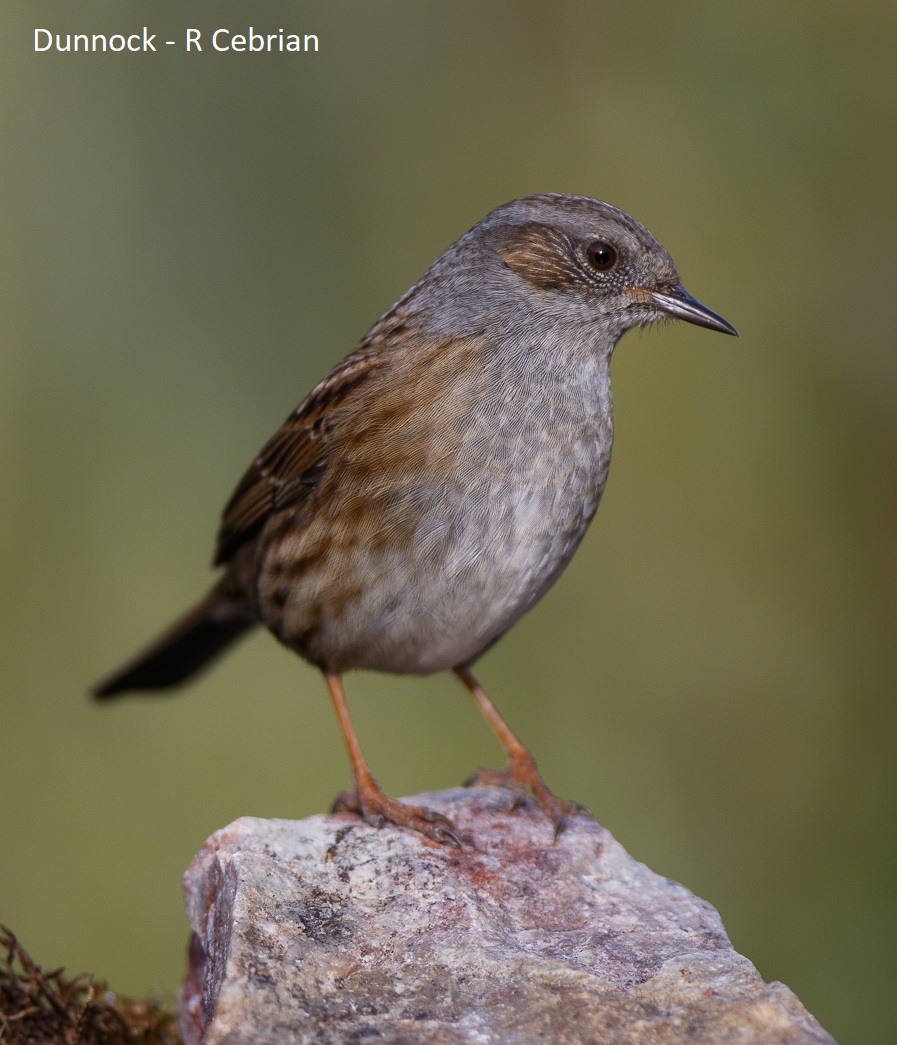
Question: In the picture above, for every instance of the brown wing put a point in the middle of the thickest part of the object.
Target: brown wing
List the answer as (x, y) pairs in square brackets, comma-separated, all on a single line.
[(291, 463)]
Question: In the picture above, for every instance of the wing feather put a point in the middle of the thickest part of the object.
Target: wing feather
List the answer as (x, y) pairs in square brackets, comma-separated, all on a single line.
[(292, 462)]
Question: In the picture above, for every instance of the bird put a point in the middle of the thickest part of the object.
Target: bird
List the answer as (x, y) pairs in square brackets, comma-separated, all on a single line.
[(434, 485)]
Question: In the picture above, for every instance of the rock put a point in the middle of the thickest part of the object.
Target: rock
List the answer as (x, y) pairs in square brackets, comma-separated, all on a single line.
[(325, 930)]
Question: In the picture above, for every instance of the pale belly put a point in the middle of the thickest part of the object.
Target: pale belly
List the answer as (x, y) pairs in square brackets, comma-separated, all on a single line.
[(485, 547)]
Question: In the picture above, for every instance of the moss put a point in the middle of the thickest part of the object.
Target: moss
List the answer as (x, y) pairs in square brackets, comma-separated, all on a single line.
[(38, 1006)]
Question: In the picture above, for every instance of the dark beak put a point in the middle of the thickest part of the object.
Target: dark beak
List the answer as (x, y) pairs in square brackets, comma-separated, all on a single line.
[(676, 301)]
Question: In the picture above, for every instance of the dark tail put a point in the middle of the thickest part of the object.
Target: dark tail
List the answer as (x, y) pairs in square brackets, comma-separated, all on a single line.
[(198, 637)]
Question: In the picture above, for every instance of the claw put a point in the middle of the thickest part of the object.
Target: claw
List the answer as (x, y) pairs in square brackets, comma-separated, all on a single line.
[(368, 801), (521, 777), (522, 774), (377, 810)]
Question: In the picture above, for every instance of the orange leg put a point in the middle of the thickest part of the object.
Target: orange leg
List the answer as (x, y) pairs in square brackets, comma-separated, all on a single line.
[(522, 769), (368, 801)]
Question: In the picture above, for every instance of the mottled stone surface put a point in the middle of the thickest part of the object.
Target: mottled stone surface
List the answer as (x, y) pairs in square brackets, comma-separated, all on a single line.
[(325, 930)]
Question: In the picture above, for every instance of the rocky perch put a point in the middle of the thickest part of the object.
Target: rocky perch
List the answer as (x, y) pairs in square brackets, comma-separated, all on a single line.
[(326, 930)]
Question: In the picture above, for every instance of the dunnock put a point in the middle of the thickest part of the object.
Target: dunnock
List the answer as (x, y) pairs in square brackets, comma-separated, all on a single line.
[(435, 484)]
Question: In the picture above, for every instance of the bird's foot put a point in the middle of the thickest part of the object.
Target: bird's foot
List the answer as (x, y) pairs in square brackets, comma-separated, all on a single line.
[(377, 809), (522, 775)]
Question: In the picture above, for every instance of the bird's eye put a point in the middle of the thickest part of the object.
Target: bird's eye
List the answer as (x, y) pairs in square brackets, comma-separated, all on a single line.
[(601, 255)]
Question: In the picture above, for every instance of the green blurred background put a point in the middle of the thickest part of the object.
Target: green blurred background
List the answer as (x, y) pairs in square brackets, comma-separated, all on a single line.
[(190, 242)]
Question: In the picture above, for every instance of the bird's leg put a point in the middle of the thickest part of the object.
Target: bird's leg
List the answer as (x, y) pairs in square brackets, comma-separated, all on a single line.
[(522, 770), (368, 801)]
